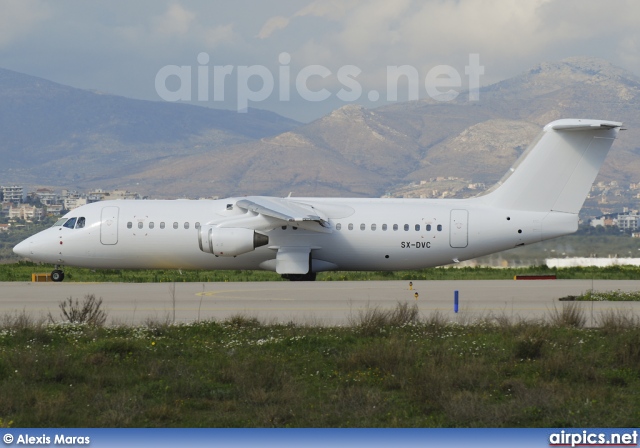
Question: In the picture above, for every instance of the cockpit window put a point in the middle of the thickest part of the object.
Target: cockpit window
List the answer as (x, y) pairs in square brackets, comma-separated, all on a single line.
[(80, 223), (71, 223), (59, 222)]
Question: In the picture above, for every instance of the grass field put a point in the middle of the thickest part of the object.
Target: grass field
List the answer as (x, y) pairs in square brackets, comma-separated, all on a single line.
[(609, 296), (386, 369), (22, 271)]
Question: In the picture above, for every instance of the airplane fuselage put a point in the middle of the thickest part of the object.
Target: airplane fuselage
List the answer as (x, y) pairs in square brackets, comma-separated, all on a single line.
[(367, 234)]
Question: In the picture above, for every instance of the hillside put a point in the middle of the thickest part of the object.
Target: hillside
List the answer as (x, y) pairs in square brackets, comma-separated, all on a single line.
[(172, 150), (367, 152), (62, 136)]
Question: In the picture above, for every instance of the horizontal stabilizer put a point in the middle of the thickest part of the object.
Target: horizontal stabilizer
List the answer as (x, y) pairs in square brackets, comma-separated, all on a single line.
[(583, 125)]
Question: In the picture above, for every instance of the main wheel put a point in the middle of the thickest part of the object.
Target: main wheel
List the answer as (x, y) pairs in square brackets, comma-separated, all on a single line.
[(57, 275), (309, 277)]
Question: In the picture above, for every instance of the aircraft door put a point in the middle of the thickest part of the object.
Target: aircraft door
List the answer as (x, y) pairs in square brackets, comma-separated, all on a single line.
[(109, 225), (459, 228)]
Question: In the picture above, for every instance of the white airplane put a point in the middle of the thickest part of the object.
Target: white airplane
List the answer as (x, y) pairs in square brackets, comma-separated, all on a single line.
[(539, 198)]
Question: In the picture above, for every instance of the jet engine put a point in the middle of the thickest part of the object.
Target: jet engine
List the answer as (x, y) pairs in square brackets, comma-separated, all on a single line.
[(229, 241)]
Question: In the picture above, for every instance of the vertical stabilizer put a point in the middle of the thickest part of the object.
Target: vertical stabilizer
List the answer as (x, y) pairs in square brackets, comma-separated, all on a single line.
[(556, 172)]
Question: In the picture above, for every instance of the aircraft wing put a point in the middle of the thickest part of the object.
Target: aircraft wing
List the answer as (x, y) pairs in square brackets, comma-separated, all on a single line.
[(287, 211)]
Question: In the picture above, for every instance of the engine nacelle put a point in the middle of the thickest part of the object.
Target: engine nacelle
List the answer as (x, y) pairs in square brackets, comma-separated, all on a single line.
[(229, 241)]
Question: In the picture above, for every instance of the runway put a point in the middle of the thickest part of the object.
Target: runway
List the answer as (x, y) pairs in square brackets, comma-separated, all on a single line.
[(314, 303)]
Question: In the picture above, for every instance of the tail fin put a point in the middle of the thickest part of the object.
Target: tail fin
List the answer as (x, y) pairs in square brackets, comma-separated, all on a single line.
[(556, 172)]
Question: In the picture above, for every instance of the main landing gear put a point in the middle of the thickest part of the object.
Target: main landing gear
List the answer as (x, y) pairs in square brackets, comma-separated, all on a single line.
[(308, 277), (57, 275)]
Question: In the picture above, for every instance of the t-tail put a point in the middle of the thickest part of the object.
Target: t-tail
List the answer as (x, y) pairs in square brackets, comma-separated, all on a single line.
[(540, 196), (556, 172)]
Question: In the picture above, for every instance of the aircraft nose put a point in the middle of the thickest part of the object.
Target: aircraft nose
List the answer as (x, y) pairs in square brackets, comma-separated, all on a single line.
[(23, 249), (41, 247)]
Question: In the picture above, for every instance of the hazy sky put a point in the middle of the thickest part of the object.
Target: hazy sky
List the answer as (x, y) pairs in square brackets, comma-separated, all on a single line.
[(120, 47)]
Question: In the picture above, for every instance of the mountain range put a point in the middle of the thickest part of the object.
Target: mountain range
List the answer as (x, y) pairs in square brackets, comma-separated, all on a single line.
[(58, 136)]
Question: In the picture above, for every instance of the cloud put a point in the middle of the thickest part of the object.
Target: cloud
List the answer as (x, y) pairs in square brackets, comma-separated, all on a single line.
[(172, 31), (373, 26), (218, 35), (273, 24), (510, 35), (175, 21), (20, 17), (110, 38), (628, 51), (329, 9)]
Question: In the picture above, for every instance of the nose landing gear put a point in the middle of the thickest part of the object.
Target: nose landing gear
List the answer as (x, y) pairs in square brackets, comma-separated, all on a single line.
[(57, 275)]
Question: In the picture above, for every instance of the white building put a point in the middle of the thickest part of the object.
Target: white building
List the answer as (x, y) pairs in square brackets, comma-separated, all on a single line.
[(584, 262), (46, 196), (54, 209), (628, 222), (12, 194), (25, 211), (74, 201)]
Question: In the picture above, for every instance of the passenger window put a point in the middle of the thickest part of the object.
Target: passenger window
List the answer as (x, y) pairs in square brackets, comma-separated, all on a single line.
[(197, 225), (151, 225), (373, 227), (338, 226), (162, 225), (186, 225), (395, 227), (175, 225), (140, 224), (362, 227), (129, 225), (284, 227), (428, 227), (406, 227), (417, 227), (71, 223), (439, 227), (350, 226), (384, 227), (80, 223)]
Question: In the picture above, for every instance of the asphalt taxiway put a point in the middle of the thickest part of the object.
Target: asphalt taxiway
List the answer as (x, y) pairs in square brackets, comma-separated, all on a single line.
[(322, 303)]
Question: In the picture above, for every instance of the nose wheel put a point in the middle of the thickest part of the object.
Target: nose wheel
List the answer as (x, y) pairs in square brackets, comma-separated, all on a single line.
[(57, 275)]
